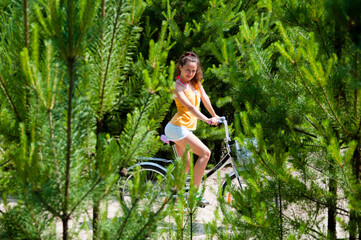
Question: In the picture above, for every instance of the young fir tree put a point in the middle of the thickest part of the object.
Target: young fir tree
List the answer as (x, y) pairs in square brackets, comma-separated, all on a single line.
[(293, 69), (71, 70)]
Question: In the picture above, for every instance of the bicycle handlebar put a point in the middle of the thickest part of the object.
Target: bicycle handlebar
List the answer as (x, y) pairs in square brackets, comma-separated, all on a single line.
[(224, 121)]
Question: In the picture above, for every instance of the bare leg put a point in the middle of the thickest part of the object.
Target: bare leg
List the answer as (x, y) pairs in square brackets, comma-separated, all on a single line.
[(199, 149), (180, 150)]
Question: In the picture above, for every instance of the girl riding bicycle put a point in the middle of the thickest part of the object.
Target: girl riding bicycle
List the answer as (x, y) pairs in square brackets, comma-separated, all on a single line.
[(188, 94)]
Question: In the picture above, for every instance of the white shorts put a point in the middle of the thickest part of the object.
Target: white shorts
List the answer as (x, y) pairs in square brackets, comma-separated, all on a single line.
[(175, 133)]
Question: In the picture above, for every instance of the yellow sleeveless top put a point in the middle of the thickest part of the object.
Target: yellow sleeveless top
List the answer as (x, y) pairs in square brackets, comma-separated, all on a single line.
[(184, 117)]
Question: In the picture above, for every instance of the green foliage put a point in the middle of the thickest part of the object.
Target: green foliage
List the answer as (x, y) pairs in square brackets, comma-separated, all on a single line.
[(79, 104), (286, 68), (85, 86), (22, 222)]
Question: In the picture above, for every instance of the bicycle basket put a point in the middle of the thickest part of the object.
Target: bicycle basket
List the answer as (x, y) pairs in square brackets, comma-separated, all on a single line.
[(242, 155)]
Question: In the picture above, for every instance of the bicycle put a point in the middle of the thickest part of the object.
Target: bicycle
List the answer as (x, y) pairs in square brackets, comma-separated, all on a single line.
[(154, 169)]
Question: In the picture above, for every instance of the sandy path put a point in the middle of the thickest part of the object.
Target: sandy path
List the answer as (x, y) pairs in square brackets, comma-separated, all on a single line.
[(203, 215)]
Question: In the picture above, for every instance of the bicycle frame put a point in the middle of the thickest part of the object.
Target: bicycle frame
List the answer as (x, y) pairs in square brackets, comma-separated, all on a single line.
[(228, 157)]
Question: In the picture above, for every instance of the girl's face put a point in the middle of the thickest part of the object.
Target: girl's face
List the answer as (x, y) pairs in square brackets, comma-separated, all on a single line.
[(188, 71)]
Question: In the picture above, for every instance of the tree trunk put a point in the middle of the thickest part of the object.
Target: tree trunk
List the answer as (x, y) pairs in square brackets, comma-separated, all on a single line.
[(354, 223), (353, 226), (71, 63), (279, 199), (96, 201), (96, 211), (332, 201)]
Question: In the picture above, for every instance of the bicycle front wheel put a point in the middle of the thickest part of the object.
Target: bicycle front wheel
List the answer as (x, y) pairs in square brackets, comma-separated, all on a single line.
[(230, 188), (238, 197), (150, 191)]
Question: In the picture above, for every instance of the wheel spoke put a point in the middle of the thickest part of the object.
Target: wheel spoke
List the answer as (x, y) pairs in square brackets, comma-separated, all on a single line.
[(154, 196)]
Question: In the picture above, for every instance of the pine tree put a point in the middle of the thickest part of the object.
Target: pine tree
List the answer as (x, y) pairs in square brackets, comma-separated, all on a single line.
[(293, 70), (78, 104)]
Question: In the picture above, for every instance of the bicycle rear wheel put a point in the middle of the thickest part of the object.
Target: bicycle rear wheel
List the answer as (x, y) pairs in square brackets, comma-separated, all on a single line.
[(151, 179)]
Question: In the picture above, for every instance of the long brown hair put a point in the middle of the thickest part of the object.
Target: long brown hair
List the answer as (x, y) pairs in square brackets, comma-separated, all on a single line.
[(190, 57)]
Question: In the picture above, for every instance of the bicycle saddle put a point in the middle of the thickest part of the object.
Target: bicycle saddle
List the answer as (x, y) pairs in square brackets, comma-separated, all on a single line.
[(166, 140)]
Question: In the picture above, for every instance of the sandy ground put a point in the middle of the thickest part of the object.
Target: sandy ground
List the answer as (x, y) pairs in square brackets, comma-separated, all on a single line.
[(203, 215), (207, 214)]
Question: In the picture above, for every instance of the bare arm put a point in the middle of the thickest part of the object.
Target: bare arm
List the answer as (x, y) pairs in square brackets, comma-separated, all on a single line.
[(206, 101)]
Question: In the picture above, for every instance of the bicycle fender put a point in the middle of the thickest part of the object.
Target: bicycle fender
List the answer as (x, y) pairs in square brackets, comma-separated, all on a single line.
[(145, 164), (154, 159), (233, 174)]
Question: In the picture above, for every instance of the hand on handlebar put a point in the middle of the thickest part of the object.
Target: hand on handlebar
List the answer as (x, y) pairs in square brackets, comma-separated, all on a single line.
[(215, 120)]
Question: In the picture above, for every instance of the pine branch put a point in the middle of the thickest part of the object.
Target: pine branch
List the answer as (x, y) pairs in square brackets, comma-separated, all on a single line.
[(158, 109), (86, 17), (304, 132), (70, 10), (3, 86), (262, 63), (125, 221), (347, 180), (151, 219), (46, 205), (3, 164), (295, 19), (26, 23), (322, 40), (137, 146), (306, 225), (228, 11), (325, 204), (140, 117), (309, 90), (123, 98), (251, 99), (296, 129), (263, 233), (85, 195), (248, 2), (356, 92), (334, 114), (28, 236), (57, 27), (131, 33), (270, 77), (101, 48), (109, 55), (267, 165), (36, 224), (52, 133), (103, 13)]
